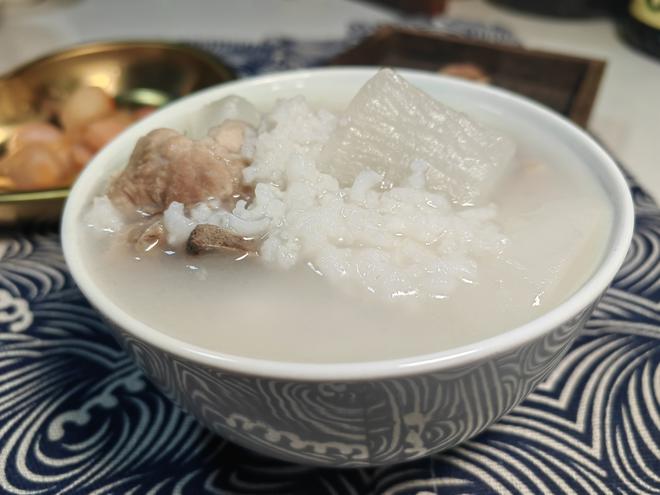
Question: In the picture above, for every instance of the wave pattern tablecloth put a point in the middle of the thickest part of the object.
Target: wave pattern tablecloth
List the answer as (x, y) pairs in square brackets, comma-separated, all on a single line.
[(76, 416)]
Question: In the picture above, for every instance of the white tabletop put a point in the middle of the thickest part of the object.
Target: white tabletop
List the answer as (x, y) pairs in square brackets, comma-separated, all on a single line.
[(626, 113)]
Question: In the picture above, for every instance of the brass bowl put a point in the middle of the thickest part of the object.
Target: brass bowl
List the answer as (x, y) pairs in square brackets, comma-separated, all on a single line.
[(134, 73)]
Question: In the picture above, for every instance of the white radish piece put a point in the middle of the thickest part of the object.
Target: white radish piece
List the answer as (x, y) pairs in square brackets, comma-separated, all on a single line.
[(390, 124)]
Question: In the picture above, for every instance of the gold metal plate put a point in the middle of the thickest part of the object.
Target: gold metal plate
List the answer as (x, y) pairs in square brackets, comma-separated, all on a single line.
[(135, 73)]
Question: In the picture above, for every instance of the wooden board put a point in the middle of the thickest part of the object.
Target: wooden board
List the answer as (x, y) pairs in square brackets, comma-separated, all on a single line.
[(567, 84)]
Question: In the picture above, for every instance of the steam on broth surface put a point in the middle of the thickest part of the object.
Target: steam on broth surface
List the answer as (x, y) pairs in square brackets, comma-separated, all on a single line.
[(347, 239)]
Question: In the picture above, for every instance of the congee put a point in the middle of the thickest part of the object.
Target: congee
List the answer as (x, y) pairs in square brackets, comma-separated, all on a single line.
[(395, 227)]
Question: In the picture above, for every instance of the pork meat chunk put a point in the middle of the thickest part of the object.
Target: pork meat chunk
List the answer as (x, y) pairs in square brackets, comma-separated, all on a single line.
[(167, 166), (205, 238)]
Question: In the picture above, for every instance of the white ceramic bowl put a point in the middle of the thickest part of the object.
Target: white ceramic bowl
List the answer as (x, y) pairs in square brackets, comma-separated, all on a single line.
[(357, 414)]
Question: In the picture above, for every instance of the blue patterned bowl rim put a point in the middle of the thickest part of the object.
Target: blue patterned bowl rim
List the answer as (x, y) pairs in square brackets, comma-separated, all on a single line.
[(599, 162)]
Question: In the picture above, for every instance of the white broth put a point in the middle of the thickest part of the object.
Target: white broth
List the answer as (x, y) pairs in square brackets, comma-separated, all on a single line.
[(555, 214), (397, 228)]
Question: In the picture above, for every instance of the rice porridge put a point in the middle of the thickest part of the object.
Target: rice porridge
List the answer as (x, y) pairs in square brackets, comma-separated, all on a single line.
[(393, 228)]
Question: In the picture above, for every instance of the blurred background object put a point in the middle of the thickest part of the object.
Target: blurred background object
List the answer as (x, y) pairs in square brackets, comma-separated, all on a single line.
[(639, 25), (560, 8), (427, 8), (638, 21), (565, 83)]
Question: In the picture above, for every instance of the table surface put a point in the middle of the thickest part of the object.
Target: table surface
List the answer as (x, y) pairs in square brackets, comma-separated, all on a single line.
[(625, 113)]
